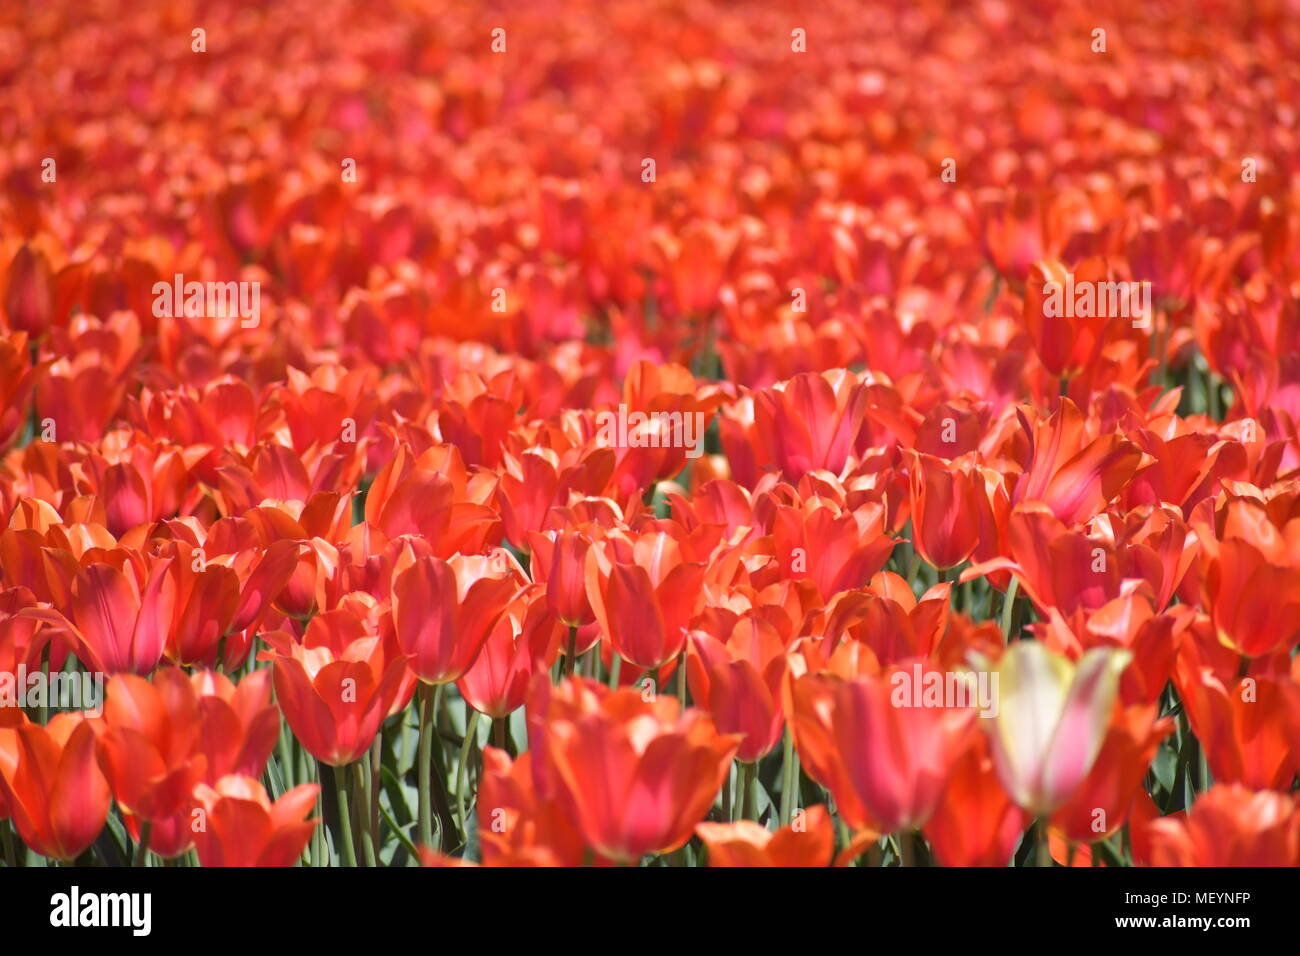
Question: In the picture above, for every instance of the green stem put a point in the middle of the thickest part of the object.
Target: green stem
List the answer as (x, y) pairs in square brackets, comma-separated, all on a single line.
[(1043, 849), (347, 850), (571, 656), (283, 750), (428, 707), (404, 742), (11, 858), (318, 854), (681, 681), (302, 772), (376, 791), (471, 737), (363, 796), (142, 849), (748, 774), (906, 848), (788, 776), (1008, 604)]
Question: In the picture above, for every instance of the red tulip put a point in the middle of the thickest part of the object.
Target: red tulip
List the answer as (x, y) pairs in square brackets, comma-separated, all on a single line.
[(337, 687), (560, 561), (1230, 825), (150, 753), (17, 379), (634, 776), (1072, 469), (119, 618), (523, 641), (807, 841), (1249, 727), (884, 754), (1247, 555), (644, 596), (810, 422), (166, 736), (1100, 805), (976, 823), (838, 550), (55, 791), (948, 510), (742, 692), (517, 825), (443, 611), (236, 824)]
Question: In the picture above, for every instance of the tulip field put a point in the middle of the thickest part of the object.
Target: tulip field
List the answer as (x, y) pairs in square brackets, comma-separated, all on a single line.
[(649, 433)]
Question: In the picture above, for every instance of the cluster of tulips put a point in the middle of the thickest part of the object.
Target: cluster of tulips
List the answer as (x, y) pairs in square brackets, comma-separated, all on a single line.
[(946, 576)]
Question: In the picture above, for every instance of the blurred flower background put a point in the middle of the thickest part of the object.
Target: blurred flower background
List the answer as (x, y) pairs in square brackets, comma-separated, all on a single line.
[(309, 316)]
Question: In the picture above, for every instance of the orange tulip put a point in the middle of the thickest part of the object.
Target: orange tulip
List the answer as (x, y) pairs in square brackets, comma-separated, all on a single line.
[(633, 775), (518, 826), (743, 694), (1231, 825), (56, 792), (337, 687), (236, 824), (560, 561), (976, 823), (644, 596), (884, 753), (1246, 557), (948, 503), (119, 618), (522, 642), (1100, 805), (807, 841), (444, 611), (1072, 469), (1249, 727)]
